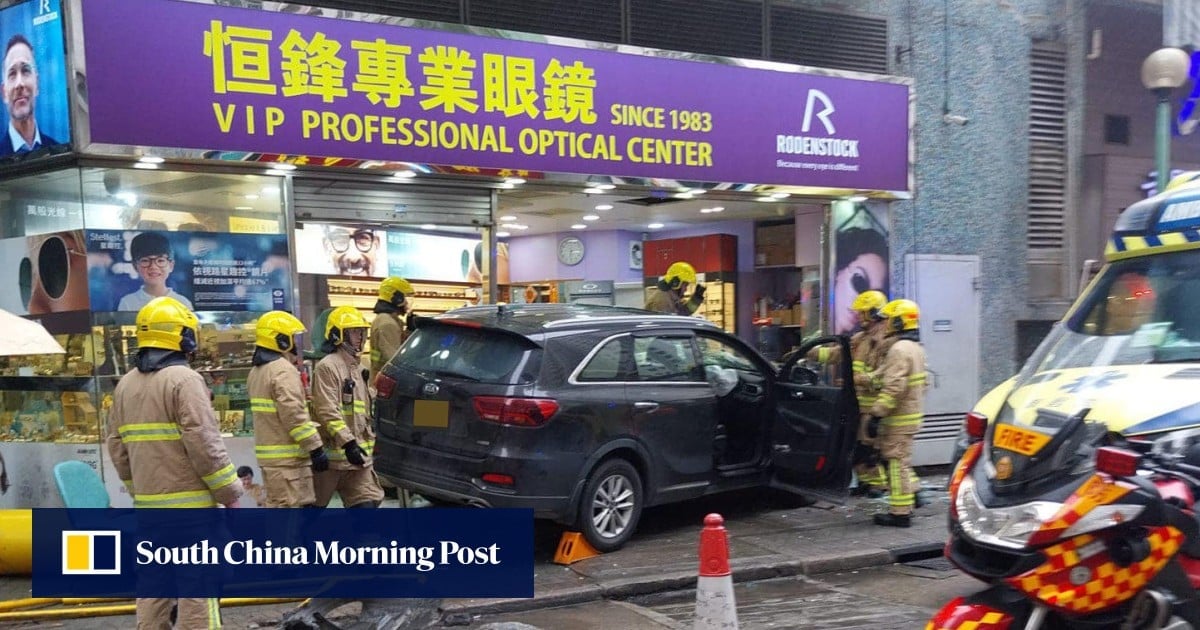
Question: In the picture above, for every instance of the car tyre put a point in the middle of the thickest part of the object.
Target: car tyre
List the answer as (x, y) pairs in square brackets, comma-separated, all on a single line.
[(611, 505)]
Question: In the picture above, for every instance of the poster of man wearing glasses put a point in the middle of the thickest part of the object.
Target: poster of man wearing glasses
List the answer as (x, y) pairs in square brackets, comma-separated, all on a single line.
[(205, 271)]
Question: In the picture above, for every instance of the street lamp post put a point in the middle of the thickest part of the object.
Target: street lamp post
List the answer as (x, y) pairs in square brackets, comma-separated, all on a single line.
[(1163, 71)]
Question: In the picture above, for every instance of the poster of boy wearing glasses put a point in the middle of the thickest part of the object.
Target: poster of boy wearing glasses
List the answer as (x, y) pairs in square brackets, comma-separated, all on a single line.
[(152, 257)]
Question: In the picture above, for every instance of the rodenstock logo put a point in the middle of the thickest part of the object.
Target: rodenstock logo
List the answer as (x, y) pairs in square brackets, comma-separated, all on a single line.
[(91, 552), (823, 115), (818, 106)]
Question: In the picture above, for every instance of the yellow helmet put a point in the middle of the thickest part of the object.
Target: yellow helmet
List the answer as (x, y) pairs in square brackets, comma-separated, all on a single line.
[(867, 305), (901, 315), (340, 320), (679, 273), (393, 285), (167, 324), (277, 331)]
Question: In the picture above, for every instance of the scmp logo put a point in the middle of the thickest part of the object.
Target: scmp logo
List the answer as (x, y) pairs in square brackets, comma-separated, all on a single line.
[(91, 552)]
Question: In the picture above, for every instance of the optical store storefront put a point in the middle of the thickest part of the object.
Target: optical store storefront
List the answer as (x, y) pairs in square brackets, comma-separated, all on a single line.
[(248, 160)]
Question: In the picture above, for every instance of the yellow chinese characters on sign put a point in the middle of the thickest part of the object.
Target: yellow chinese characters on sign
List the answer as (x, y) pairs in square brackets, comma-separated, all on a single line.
[(241, 59), (312, 66), (510, 85), (382, 72), (569, 92), (448, 73)]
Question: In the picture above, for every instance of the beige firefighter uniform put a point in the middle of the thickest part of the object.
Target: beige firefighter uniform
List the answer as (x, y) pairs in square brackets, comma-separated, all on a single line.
[(339, 424), (387, 335), (666, 301), (864, 357), (166, 446), (900, 405), (283, 433)]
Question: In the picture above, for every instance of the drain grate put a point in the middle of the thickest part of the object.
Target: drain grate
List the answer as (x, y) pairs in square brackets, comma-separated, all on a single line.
[(933, 564)]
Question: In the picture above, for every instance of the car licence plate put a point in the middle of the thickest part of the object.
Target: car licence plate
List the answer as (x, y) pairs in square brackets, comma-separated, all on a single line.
[(433, 414)]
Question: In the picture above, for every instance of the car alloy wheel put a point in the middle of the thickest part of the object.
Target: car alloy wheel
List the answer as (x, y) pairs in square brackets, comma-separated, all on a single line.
[(612, 505)]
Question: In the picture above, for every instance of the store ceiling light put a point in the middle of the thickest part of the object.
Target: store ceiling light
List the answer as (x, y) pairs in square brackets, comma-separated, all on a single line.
[(270, 190), (283, 166), (243, 208), (579, 226), (604, 206), (766, 199), (857, 199), (151, 159), (145, 165), (429, 226), (718, 209), (654, 226), (508, 217), (592, 191), (515, 181), (507, 185), (780, 195), (503, 234), (591, 217), (251, 197), (683, 195), (274, 171), (697, 191), (605, 186), (406, 174), (514, 226)]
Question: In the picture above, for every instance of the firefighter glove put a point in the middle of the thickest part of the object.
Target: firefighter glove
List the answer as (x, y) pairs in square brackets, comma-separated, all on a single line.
[(320, 461), (355, 454), (873, 427), (698, 294)]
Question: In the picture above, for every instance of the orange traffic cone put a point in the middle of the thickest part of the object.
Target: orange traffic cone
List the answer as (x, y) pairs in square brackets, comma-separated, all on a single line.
[(715, 606)]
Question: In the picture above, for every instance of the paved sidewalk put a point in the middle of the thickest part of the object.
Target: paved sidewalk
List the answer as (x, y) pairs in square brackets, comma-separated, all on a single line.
[(765, 541)]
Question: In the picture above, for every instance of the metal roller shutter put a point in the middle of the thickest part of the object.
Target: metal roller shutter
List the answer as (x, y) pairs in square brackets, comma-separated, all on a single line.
[(382, 204)]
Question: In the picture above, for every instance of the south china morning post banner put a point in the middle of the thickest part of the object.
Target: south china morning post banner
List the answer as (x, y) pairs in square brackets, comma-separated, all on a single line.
[(207, 271), (283, 553), (272, 82)]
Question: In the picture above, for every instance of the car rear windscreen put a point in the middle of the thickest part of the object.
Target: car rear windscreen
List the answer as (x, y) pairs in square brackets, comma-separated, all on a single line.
[(469, 353)]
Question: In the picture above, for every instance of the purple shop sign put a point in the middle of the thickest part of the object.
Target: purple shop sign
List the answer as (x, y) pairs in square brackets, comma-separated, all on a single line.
[(197, 76)]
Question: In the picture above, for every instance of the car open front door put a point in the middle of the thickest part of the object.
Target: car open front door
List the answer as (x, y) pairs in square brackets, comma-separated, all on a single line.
[(814, 428)]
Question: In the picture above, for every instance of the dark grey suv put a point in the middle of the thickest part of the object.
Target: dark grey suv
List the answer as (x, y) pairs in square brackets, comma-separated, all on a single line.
[(587, 414)]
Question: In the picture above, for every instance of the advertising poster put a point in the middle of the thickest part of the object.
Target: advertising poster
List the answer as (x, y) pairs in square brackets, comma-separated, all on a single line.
[(341, 250), (27, 471), (45, 277), (205, 271), (445, 258), (35, 80), (861, 259)]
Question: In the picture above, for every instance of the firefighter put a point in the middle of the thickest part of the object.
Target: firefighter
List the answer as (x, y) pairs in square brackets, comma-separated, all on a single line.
[(340, 402), (865, 356), (667, 295), (165, 442), (387, 329), (898, 409), (286, 442)]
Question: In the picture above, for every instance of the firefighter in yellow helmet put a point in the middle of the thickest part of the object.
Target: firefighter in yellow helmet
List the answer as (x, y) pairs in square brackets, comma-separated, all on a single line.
[(165, 442), (340, 404), (898, 409), (286, 442), (667, 295), (865, 355), (387, 329)]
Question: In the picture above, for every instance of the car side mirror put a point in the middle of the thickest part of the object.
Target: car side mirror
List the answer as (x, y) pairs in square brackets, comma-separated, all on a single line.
[(803, 375)]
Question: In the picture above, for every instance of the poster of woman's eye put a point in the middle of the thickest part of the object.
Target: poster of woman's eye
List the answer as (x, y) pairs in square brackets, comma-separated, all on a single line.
[(861, 259)]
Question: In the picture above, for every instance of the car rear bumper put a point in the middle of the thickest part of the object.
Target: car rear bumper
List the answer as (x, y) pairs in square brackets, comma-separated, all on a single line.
[(457, 478)]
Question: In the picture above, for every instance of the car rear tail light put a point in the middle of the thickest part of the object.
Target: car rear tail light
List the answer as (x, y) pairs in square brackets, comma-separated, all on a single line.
[(498, 479), (521, 412), (976, 424), (384, 386), (1117, 462)]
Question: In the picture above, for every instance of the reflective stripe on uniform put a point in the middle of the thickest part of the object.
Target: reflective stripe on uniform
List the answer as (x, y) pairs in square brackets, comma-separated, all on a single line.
[(336, 425), (369, 447), (281, 451), (358, 407), (859, 366), (149, 432), (187, 499), (823, 354), (221, 478), (903, 420), (896, 496), (265, 405), (866, 401), (214, 613), (303, 432), (887, 399), (917, 379)]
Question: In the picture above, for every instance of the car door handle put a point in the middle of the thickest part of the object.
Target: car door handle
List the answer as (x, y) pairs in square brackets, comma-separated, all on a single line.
[(648, 407)]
